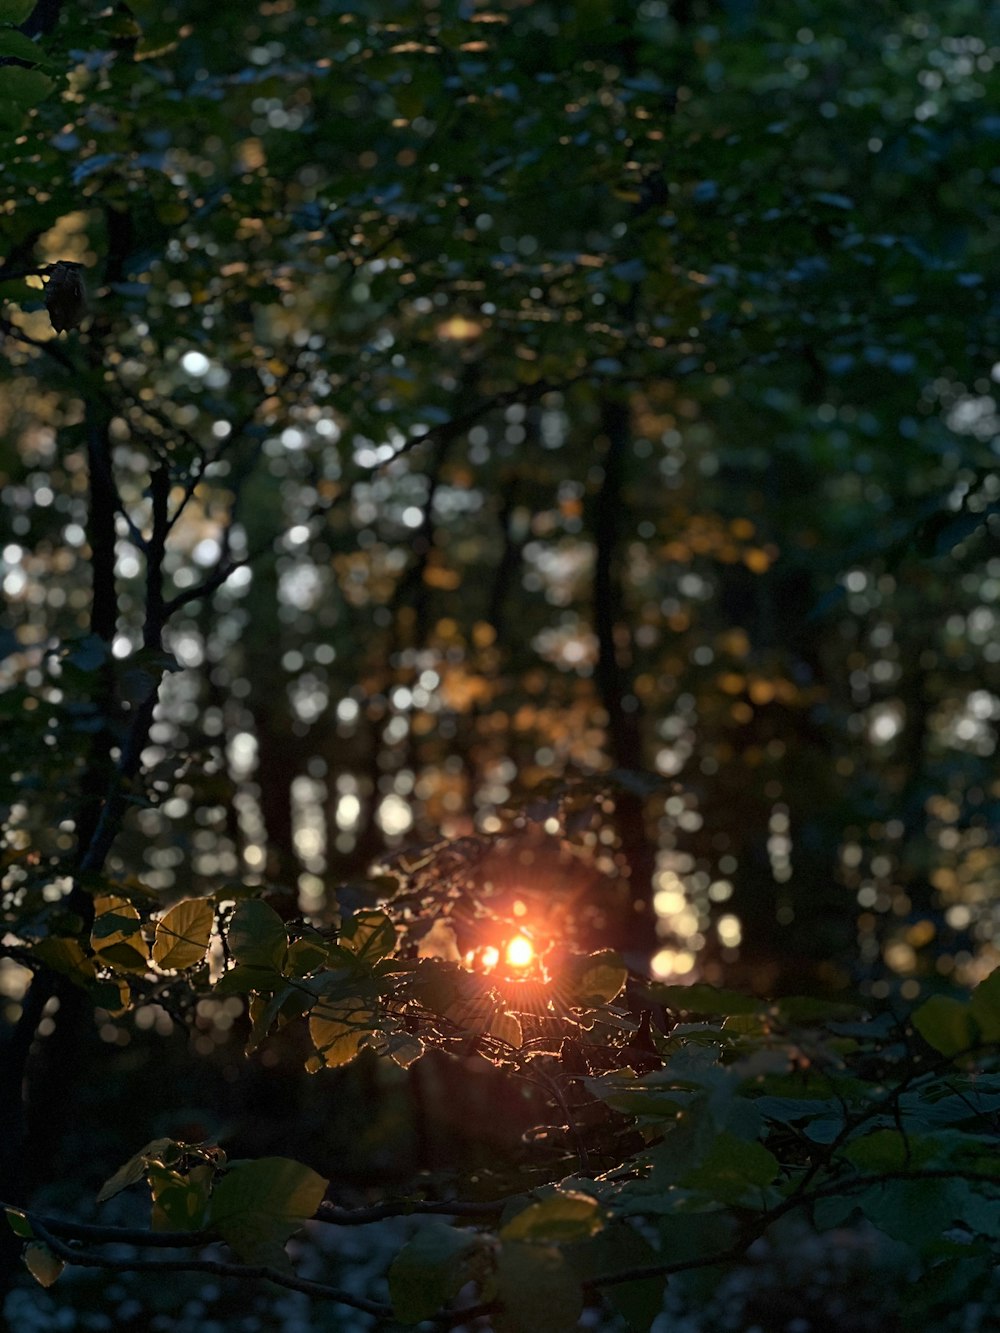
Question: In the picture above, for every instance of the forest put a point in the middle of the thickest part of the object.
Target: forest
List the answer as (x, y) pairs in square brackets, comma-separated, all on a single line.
[(499, 666)]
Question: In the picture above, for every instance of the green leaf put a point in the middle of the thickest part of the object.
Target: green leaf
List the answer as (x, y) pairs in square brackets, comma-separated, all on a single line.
[(182, 935), (601, 980), (339, 1029), (537, 1289), (703, 999), (430, 1270), (18, 1223), (616, 1249), (257, 935), (24, 87), (257, 1205), (813, 1009), (561, 1217), (15, 11), (17, 44), (369, 935), (134, 1169), (917, 1212), (984, 1004), (731, 1169), (889, 1150), (946, 1024), (42, 1264)]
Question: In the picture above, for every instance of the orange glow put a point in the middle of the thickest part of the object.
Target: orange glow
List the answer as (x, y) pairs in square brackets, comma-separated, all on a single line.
[(490, 956), (520, 952), (519, 908)]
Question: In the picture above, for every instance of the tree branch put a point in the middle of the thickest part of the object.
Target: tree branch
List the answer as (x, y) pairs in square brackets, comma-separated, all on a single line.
[(217, 1267)]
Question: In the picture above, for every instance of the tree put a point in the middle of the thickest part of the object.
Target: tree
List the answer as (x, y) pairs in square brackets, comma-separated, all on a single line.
[(472, 402)]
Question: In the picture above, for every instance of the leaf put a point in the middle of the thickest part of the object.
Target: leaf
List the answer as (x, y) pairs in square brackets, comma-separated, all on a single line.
[(561, 1217), (66, 956), (241, 980), (182, 935), (506, 1028), (111, 993), (257, 1205), (338, 1030), (15, 11), (731, 1169), (813, 1009), (984, 1005), (601, 980), (916, 1212), (134, 1169), (404, 1050), (180, 1199), (17, 44), (616, 1249), (257, 935), (19, 1223), (703, 999), (889, 1150), (305, 955), (430, 1270), (42, 1264), (369, 935), (945, 1023), (537, 1289), (116, 937)]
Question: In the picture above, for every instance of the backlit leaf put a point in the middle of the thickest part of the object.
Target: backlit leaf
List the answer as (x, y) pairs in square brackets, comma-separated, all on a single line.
[(42, 1264), (369, 935), (564, 1216), (182, 935), (257, 936), (257, 1205), (601, 980), (946, 1024), (339, 1029), (984, 1005)]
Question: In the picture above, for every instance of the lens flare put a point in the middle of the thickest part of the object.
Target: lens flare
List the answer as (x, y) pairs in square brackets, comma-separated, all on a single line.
[(520, 952), (490, 956)]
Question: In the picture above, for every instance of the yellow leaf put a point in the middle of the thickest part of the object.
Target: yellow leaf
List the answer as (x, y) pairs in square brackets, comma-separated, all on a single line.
[(182, 935), (338, 1030)]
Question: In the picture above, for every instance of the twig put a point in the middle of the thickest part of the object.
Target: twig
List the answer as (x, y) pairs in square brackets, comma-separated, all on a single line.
[(217, 1267)]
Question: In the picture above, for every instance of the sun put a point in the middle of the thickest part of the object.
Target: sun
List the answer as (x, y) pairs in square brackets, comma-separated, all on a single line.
[(520, 952)]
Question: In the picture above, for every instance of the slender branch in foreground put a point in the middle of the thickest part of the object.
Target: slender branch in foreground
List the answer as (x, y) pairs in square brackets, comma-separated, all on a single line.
[(94, 1234), (217, 1267)]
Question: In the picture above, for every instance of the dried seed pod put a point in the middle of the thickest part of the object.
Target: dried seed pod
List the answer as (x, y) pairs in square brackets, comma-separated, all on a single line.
[(65, 295)]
